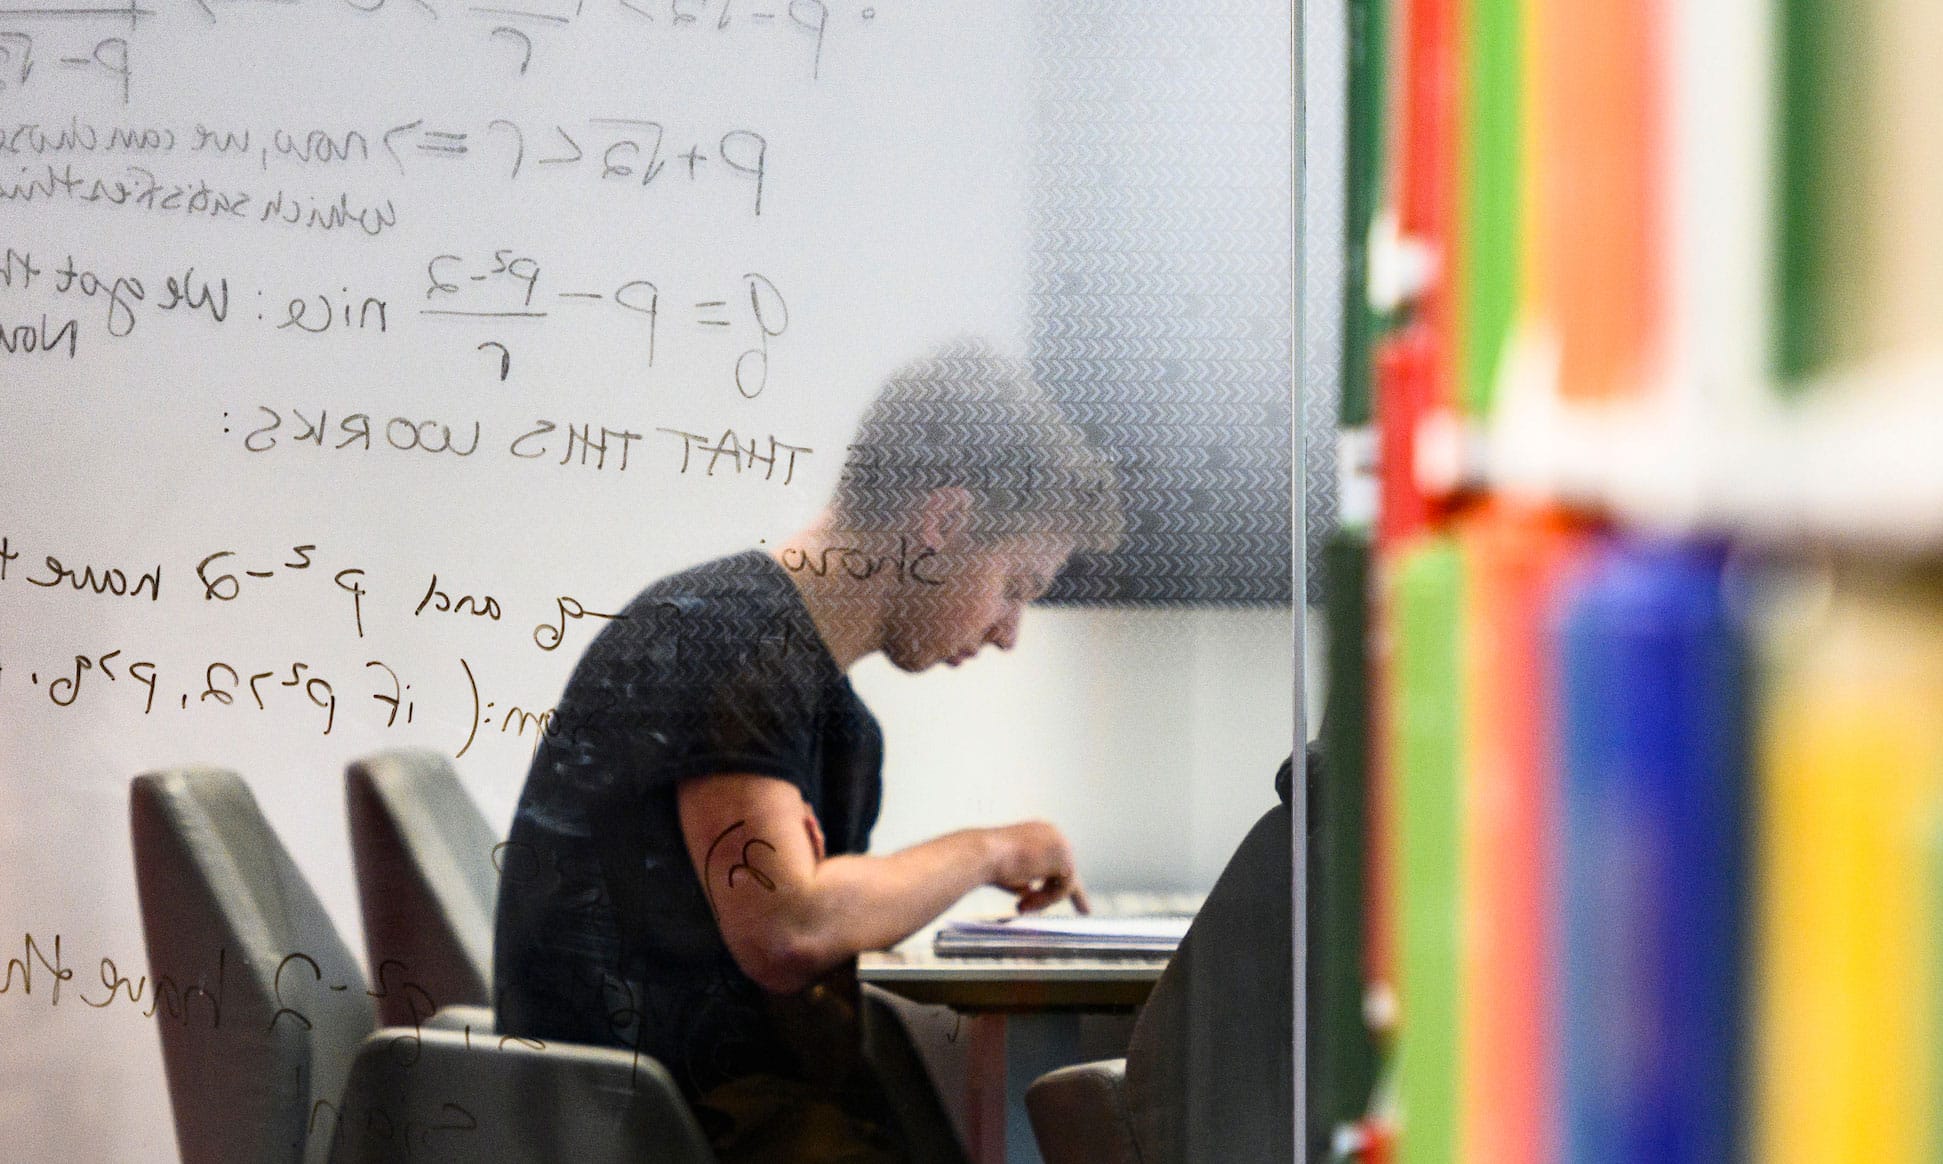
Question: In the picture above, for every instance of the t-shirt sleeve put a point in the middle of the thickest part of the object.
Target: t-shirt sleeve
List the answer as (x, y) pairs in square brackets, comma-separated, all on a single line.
[(741, 716), (693, 691)]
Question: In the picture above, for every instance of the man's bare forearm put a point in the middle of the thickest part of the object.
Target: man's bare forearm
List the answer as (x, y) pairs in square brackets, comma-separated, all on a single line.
[(789, 914), (872, 903)]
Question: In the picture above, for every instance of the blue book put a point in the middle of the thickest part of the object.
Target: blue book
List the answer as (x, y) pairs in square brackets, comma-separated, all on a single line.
[(1653, 853)]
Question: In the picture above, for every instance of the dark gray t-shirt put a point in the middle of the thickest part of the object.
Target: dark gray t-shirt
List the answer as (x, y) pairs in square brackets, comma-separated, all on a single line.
[(604, 934)]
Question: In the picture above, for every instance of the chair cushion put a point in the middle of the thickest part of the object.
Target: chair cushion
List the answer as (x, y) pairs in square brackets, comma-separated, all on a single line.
[(1079, 1114)]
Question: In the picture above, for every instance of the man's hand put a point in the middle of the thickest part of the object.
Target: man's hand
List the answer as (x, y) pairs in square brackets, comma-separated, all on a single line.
[(1035, 861)]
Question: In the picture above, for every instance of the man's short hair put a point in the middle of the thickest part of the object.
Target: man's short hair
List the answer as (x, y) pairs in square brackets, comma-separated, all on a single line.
[(969, 418)]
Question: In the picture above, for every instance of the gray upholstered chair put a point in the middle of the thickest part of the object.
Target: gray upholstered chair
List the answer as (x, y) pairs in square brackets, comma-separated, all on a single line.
[(268, 1028), (1210, 1069), (426, 883), (260, 1005)]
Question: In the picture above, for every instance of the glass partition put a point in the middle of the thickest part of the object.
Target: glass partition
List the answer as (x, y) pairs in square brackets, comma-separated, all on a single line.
[(362, 363)]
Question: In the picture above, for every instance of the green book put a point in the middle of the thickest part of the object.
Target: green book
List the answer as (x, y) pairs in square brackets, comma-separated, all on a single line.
[(1819, 128), (1341, 1053), (1426, 714), (1368, 47), (1491, 160)]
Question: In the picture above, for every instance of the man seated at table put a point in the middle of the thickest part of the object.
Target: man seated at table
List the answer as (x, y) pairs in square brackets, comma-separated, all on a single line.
[(687, 874)]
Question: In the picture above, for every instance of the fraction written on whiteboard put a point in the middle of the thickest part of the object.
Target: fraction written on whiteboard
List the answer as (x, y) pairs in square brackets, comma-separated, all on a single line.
[(506, 288), (97, 45)]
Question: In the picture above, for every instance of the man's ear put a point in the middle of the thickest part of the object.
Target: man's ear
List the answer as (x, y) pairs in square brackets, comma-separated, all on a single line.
[(945, 518)]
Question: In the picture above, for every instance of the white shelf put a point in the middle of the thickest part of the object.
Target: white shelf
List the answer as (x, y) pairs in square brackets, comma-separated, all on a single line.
[(1856, 459)]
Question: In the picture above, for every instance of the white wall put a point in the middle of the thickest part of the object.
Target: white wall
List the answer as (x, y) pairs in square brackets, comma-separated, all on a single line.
[(1150, 736)]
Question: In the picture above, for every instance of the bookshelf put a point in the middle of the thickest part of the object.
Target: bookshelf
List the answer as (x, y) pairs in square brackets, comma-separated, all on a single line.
[(1647, 826), (1855, 463)]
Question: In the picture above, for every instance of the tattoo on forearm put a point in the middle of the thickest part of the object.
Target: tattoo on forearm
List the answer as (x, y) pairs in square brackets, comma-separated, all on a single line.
[(742, 865)]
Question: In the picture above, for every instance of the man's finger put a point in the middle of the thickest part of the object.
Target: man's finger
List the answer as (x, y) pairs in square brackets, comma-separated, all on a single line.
[(1035, 898), (1050, 892)]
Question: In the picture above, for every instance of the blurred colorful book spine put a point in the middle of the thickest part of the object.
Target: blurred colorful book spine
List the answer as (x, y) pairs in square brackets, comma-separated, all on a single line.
[(1650, 866)]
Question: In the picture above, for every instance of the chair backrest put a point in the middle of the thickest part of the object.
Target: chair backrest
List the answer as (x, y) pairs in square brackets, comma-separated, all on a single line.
[(426, 882), (1211, 1065), (452, 1097), (260, 1004)]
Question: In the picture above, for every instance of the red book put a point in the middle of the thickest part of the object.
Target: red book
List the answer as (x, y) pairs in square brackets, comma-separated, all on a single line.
[(1428, 181), (1406, 393)]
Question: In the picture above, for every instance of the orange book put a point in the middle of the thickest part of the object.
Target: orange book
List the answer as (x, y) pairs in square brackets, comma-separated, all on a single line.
[(1598, 141), (1515, 559)]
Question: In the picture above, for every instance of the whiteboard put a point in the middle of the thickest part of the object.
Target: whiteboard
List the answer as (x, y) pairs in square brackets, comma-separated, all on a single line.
[(356, 355)]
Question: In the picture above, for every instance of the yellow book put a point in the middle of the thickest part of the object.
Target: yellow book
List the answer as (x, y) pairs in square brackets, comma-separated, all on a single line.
[(1852, 772)]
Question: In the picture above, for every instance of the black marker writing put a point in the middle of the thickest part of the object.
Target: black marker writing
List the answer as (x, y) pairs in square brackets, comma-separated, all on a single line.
[(112, 580), (860, 565), (26, 339), (738, 454), (548, 636)]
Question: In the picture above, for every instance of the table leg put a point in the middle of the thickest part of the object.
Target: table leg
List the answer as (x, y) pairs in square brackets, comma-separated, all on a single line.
[(985, 1080), (1004, 1054)]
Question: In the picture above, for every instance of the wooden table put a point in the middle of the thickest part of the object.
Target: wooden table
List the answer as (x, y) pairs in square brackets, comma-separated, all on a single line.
[(1022, 1019)]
